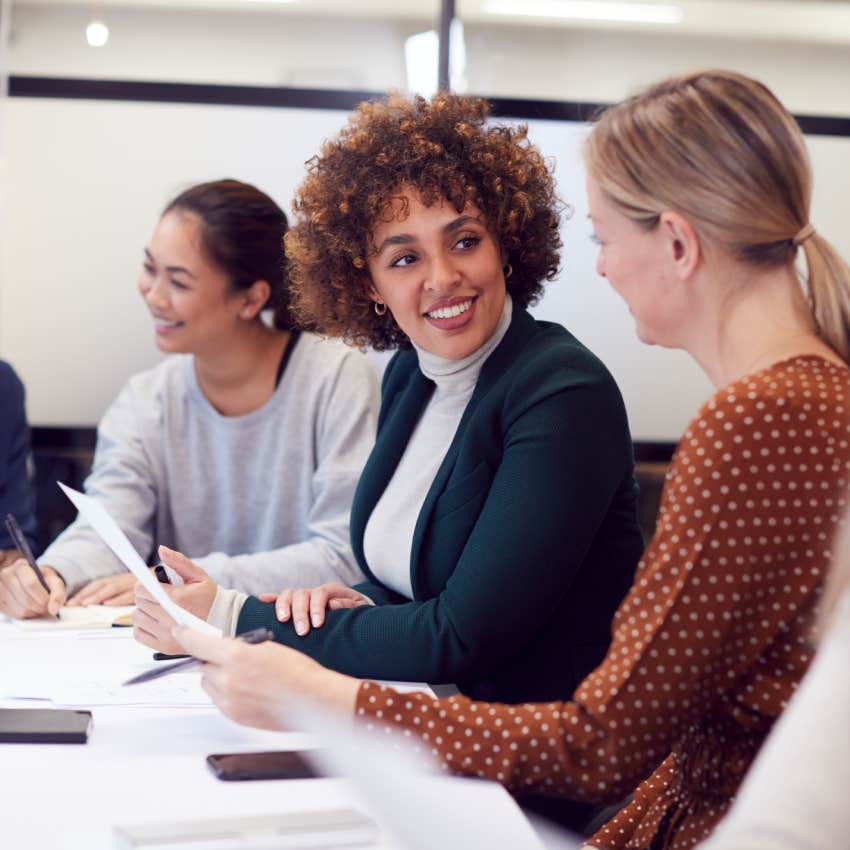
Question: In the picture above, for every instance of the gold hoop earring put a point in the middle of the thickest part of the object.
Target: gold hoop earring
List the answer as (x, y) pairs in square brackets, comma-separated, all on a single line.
[(380, 308), (508, 270)]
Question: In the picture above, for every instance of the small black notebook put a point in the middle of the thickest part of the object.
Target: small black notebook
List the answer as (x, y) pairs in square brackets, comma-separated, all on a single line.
[(44, 726)]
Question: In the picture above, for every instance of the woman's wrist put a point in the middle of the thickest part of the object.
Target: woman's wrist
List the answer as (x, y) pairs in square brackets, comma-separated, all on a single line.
[(334, 689)]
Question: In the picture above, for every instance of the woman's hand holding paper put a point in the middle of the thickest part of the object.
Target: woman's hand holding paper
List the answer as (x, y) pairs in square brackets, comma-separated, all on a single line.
[(252, 684), (152, 625)]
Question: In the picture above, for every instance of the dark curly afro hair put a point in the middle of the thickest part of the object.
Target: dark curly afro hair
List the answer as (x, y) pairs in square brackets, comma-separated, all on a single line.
[(444, 150)]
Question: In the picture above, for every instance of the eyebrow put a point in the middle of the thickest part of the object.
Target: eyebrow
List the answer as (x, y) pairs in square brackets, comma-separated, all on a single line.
[(407, 238), (171, 269)]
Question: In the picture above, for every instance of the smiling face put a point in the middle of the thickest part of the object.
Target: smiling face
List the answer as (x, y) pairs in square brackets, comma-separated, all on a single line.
[(191, 300), (440, 274), (640, 265)]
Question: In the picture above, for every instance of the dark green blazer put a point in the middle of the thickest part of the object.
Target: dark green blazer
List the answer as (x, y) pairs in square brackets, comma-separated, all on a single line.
[(525, 544)]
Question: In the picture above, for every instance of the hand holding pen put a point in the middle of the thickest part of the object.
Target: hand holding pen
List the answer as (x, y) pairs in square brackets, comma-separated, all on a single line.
[(254, 636), (25, 589), (253, 685)]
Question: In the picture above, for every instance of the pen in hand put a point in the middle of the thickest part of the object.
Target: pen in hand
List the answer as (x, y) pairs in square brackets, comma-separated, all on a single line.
[(253, 636), (24, 548)]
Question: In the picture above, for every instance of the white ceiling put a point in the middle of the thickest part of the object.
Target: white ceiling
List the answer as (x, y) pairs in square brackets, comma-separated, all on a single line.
[(797, 20)]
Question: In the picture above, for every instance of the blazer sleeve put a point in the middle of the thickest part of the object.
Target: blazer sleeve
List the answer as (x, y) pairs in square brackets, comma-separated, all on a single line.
[(564, 456), (15, 491)]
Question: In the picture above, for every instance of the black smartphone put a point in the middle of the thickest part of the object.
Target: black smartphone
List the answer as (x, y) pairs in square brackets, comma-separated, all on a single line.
[(280, 764)]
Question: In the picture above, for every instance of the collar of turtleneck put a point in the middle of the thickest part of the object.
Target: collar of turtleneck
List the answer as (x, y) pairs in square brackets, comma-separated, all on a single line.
[(453, 376)]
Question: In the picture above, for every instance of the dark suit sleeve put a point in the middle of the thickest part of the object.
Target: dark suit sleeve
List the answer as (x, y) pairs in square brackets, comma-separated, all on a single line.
[(565, 454), (15, 491), (379, 594)]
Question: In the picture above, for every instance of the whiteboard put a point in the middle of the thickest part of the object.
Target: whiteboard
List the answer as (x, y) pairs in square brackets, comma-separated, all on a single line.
[(83, 183)]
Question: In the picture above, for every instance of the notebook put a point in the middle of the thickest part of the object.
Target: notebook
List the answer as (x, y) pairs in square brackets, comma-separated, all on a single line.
[(44, 726), (89, 617)]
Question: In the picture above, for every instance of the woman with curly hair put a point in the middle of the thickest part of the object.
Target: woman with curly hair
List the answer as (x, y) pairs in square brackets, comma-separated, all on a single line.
[(495, 518), (699, 192)]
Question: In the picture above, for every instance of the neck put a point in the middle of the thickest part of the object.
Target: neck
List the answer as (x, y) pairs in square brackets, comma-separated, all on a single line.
[(238, 376), (755, 319)]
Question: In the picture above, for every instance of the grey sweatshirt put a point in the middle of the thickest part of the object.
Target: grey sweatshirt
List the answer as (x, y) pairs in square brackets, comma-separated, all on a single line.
[(260, 501)]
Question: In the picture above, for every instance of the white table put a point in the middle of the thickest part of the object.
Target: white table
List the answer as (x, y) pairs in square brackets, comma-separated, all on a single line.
[(146, 764)]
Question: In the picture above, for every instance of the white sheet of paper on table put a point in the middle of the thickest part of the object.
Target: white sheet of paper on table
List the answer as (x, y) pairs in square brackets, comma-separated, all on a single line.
[(117, 541), (88, 685)]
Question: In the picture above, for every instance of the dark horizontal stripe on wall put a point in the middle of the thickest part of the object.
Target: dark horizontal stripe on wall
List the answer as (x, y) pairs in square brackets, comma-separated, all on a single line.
[(228, 95), (58, 438), (216, 95), (547, 110), (653, 452)]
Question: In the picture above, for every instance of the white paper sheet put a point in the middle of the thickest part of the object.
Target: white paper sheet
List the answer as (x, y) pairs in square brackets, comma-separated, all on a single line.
[(89, 617), (117, 541), (87, 685)]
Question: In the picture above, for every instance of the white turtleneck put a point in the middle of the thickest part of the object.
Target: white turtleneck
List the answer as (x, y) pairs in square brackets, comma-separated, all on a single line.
[(389, 531)]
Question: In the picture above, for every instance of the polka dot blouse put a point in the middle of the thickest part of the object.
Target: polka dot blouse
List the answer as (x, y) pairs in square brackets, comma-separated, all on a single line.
[(711, 640)]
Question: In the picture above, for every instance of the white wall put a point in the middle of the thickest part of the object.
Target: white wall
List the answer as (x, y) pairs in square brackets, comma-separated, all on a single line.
[(224, 47), (264, 48), (84, 186), (83, 182), (563, 64)]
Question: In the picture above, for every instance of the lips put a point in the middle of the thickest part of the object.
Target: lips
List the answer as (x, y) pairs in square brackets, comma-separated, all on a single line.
[(162, 325), (450, 308)]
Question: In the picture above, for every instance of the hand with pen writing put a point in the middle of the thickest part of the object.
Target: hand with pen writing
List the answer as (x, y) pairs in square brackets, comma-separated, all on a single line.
[(151, 624), (250, 683), (22, 595)]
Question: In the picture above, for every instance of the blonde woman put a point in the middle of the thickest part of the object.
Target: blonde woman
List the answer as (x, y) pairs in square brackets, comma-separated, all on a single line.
[(699, 194)]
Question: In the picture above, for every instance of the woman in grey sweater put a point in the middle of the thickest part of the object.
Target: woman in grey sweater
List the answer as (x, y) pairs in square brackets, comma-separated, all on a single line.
[(244, 447)]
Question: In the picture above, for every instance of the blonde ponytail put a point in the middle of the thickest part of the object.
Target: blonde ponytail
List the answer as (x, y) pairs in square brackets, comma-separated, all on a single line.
[(828, 283)]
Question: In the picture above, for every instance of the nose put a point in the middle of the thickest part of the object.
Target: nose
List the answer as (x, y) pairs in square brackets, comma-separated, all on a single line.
[(154, 291), (444, 274), (600, 264)]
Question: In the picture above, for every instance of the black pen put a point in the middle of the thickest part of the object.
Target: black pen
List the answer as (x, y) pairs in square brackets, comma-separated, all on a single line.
[(24, 548), (254, 636)]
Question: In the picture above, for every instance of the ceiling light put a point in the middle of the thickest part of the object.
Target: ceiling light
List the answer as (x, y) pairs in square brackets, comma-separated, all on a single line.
[(584, 10), (97, 34)]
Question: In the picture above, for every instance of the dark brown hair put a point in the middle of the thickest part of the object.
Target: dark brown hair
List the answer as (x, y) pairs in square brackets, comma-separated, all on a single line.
[(443, 149), (242, 232)]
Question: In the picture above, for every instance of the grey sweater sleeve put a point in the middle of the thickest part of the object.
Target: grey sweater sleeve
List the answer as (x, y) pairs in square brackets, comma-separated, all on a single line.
[(122, 479), (344, 427)]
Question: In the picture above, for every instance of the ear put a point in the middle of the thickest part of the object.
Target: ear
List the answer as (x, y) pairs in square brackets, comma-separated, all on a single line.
[(682, 243), (252, 299), (375, 295)]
